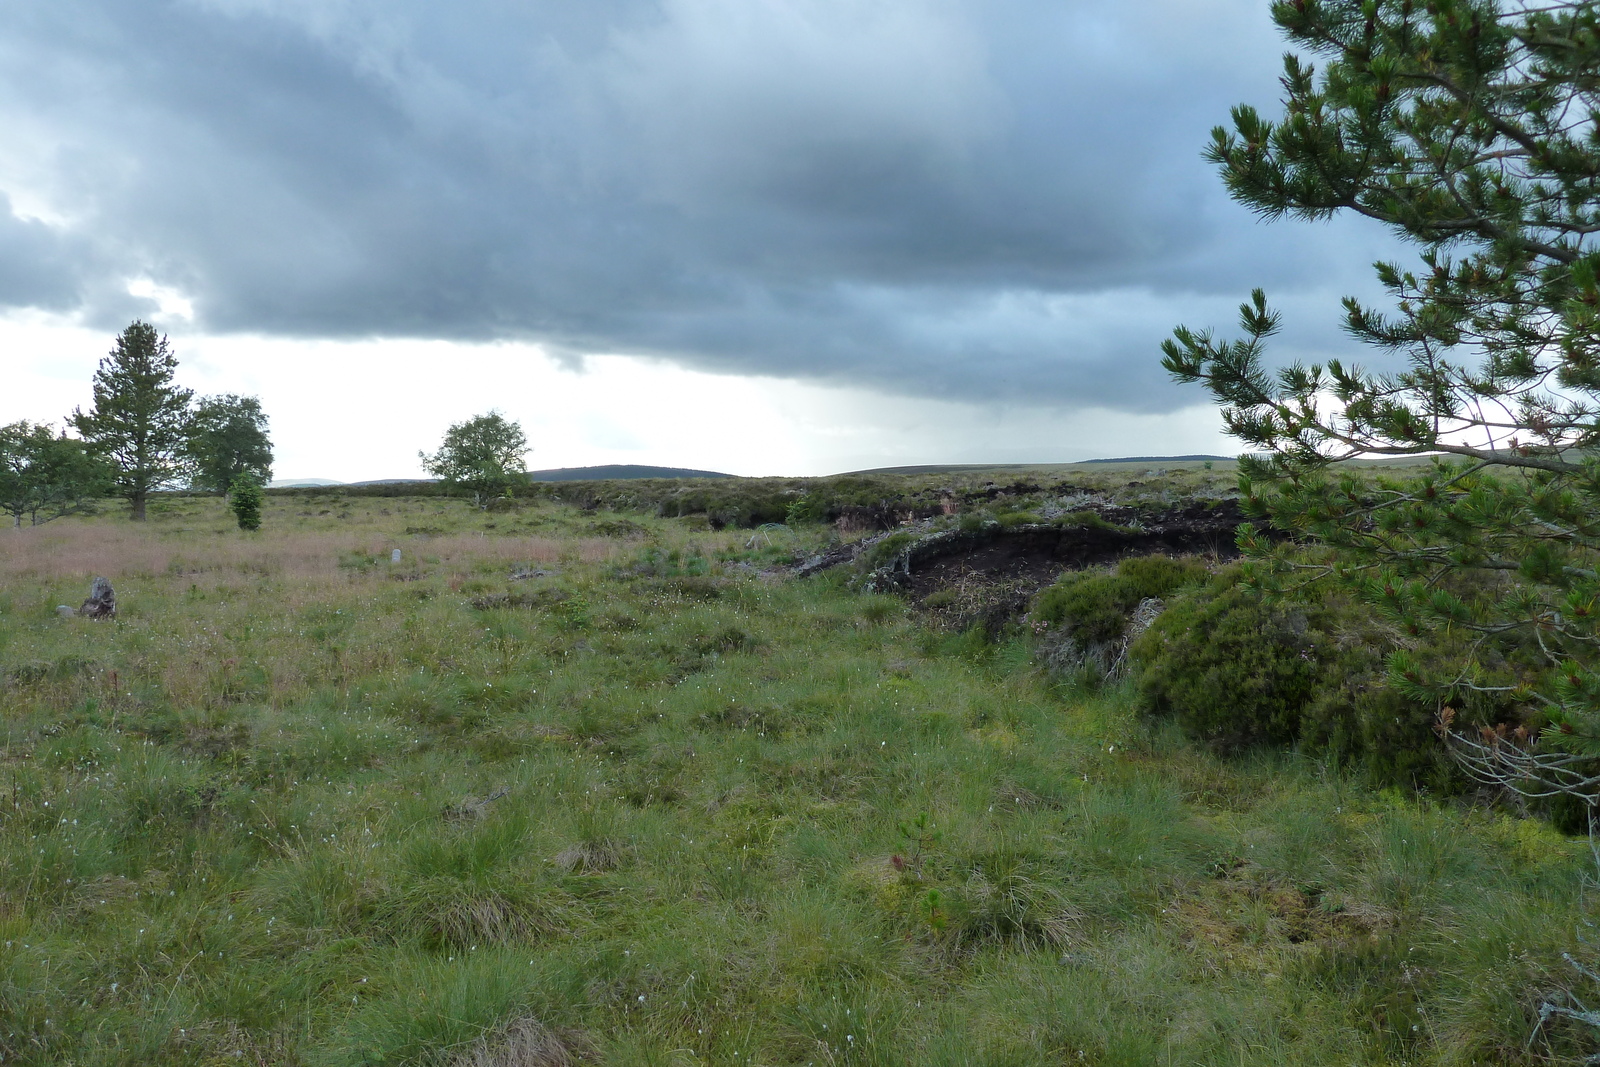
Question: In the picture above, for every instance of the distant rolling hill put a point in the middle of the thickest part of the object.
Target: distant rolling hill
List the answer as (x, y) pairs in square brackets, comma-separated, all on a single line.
[(957, 468), (604, 472), (334, 483), (949, 468), (617, 471), (1161, 459)]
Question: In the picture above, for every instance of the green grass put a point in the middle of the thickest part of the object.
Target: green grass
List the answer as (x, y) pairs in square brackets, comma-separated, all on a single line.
[(299, 805)]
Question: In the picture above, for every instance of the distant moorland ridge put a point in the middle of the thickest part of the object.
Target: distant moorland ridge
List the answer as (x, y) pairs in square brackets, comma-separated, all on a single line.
[(604, 472), (955, 468)]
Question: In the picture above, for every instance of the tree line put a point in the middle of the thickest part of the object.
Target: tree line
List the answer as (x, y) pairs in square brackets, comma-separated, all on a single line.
[(143, 434)]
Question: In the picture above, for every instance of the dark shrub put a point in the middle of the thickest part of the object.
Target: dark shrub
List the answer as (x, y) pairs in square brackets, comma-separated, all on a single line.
[(1359, 718), (1234, 670), (1094, 607), (1229, 669), (245, 501)]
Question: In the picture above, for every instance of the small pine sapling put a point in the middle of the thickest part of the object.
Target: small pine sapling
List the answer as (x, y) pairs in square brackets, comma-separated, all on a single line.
[(920, 836), (244, 497)]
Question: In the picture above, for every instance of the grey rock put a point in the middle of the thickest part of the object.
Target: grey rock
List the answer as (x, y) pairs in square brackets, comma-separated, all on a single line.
[(102, 602), (66, 611), (473, 807)]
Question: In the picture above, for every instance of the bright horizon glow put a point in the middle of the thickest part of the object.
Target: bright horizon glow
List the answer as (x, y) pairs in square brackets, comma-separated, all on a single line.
[(361, 410)]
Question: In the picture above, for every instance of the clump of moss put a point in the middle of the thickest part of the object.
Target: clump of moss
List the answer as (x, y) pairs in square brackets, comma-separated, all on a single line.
[(1083, 619), (1087, 520), (887, 549), (1095, 607)]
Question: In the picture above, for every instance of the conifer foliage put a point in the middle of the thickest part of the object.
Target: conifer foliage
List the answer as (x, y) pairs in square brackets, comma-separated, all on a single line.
[(1471, 128), (140, 419), (244, 499)]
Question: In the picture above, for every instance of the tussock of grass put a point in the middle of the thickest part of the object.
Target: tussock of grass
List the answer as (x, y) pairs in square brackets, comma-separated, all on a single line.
[(284, 811)]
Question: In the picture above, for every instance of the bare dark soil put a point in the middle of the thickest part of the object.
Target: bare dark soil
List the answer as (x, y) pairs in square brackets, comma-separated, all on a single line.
[(1038, 554), (989, 576)]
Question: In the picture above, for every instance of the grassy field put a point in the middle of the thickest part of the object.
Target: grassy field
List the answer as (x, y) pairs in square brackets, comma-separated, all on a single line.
[(566, 788)]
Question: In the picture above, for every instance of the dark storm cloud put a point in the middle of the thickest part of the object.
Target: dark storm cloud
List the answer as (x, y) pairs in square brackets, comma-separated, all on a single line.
[(39, 265), (968, 198)]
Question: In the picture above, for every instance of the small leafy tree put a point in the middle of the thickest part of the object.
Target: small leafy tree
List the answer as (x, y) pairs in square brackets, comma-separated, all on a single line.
[(140, 419), (482, 456), (228, 439), (43, 476), (1471, 128), (244, 497)]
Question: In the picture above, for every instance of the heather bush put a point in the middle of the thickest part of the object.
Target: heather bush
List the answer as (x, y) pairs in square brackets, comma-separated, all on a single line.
[(1234, 670), (1228, 668), (887, 549)]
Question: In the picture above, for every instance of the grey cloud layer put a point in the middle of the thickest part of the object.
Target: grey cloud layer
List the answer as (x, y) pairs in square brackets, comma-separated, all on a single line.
[(996, 199)]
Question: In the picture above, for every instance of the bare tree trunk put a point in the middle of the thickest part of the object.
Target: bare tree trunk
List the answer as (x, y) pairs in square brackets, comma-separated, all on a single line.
[(137, 502)]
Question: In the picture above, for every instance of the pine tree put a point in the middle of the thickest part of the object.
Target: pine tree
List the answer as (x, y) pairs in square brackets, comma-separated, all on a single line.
[(140, 420), (1471, 129)]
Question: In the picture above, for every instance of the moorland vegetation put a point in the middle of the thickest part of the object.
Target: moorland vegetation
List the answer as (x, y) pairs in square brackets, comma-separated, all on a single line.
[(941, 768), (571, 785)]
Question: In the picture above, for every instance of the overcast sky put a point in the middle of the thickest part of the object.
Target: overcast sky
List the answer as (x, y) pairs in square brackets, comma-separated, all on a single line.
[(764, 236)]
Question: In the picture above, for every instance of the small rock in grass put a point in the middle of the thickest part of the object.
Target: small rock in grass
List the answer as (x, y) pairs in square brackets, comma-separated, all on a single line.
[(471, 807), (589, 857), (65, 611), (522, 574)]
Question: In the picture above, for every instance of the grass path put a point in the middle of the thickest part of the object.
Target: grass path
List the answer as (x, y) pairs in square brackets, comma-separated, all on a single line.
[(655, 808)]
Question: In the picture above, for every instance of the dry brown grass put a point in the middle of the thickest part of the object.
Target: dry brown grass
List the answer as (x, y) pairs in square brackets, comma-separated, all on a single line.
[(524, 1043), (1250, 920), (118, 550), (219, 580)]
